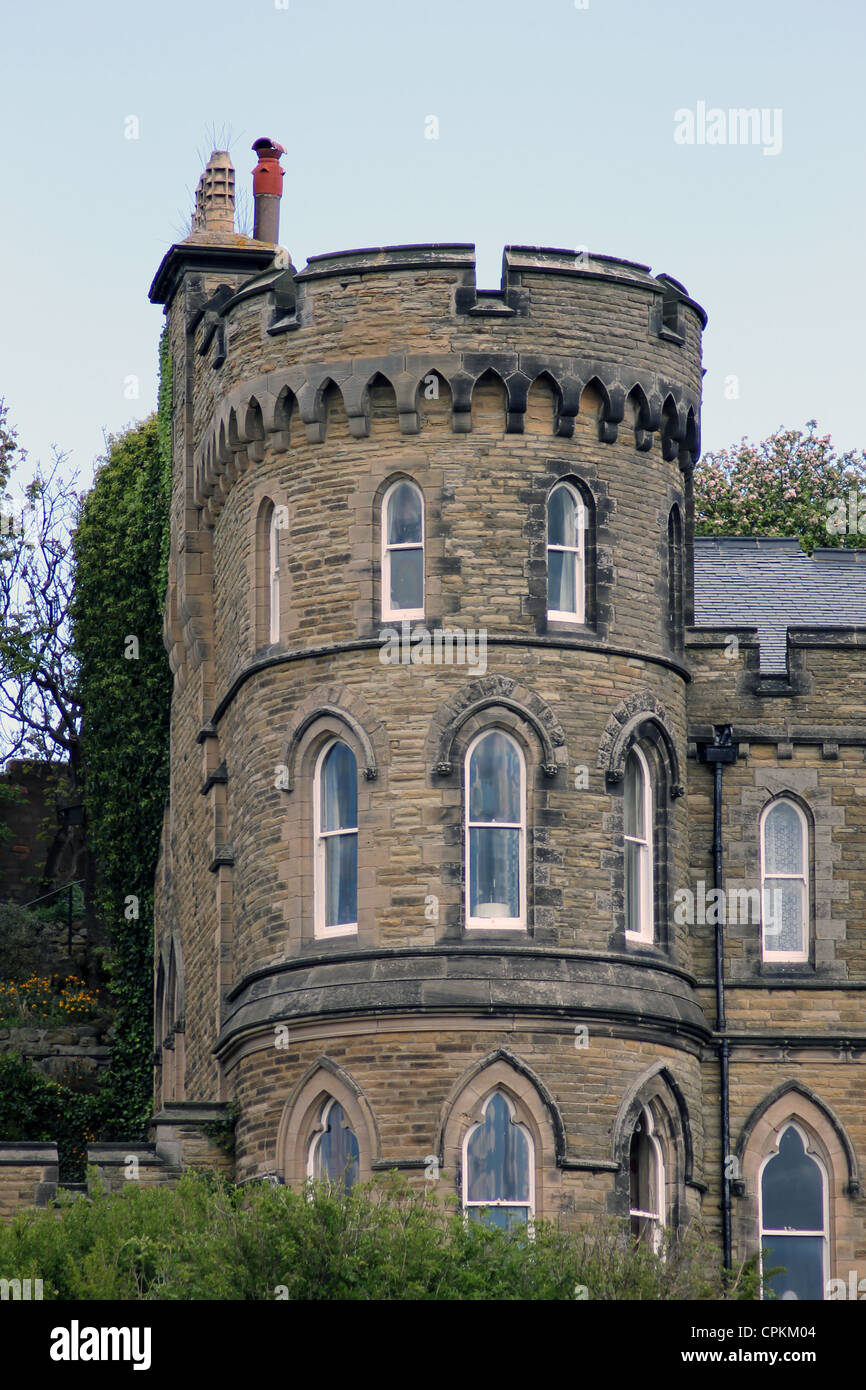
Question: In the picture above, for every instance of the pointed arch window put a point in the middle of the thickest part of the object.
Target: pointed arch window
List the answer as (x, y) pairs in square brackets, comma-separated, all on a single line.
[(784, 834), (794, 1218), (403, 552), (637, 837), (336, 849), (566, 561), (646, 1182), (334, 1156), (274, 575), (495, 832), (499, 1166)]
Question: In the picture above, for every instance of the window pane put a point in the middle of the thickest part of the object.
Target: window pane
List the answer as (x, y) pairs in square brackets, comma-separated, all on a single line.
[(783, 915), (792, 1188), (336, 1156), (562, 517), (494, 873), (407, 575), (339, 780), (561, 585), (494, 780), (505, 1218), (497, 1157), (633, 796), (783, 835), (644, 1172), (341, 880), (404, 515), (635, 868), (803, 1258)]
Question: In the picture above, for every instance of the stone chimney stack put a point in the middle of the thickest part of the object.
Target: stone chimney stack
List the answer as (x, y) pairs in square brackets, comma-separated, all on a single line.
[(215, 196)]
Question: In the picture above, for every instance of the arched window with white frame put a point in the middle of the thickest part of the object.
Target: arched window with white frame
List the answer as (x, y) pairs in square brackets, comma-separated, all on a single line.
[(274, 575), (333, 1155), (794, 1217), (566, 560), (495, 796), (403, 552), (784, 837), (638, 846), (499, 1166), (336, 841), (646, 1182)]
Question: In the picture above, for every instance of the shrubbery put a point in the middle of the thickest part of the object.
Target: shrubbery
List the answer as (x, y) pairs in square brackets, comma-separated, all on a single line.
[(35, 1110), (207, 1239)]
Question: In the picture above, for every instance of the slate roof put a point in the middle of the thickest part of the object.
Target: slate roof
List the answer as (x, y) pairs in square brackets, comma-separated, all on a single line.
[(771, 584)]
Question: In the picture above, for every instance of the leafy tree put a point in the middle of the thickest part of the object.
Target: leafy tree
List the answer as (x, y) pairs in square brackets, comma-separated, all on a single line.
[(40, 712), (791, 484)]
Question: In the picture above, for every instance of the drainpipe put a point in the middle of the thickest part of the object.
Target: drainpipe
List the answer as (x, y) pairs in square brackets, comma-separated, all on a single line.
[(267, 191), (722, 750)]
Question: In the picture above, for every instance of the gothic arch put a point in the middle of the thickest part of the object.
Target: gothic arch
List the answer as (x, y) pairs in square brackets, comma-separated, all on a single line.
[(499, 692), (299, 1120), (258, 411), (620, 732), (176, 990), (545, 381), (647, 417), (658, 1092), (327, 711), (534, 1107), (656, 1083), (797, 1102), (282, 419), (266, 501)]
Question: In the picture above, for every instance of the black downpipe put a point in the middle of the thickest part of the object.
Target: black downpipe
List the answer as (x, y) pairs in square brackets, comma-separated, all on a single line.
[(722, 751)]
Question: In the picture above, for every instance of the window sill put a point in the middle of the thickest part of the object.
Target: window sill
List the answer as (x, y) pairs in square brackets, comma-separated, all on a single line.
[(494, 926)]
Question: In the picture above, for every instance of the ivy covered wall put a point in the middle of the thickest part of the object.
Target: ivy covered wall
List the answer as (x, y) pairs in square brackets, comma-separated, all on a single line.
[(121, 553)]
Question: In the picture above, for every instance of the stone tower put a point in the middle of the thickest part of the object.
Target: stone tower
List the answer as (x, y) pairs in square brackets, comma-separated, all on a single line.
[(430, 571)]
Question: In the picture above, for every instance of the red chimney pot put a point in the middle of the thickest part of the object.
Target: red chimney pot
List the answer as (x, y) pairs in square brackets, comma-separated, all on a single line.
[(267, 175)]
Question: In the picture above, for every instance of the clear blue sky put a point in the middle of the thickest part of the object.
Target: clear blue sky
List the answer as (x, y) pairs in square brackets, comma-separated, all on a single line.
[(556, 127)]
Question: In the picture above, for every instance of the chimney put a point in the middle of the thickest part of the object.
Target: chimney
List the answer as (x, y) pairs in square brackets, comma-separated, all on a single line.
[(215, 196), (267, 191)]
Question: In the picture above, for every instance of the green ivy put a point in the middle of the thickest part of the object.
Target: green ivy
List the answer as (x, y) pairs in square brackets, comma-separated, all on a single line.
[(163, 430), (120, 574), (222, 1132), (35, 1110)]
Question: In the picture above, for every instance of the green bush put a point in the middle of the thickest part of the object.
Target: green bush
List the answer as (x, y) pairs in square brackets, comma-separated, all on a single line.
[(207, 1239), (35, 1110)]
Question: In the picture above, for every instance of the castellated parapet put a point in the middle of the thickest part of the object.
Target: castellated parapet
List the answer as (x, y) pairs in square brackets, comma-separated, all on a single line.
[(300, 399)]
